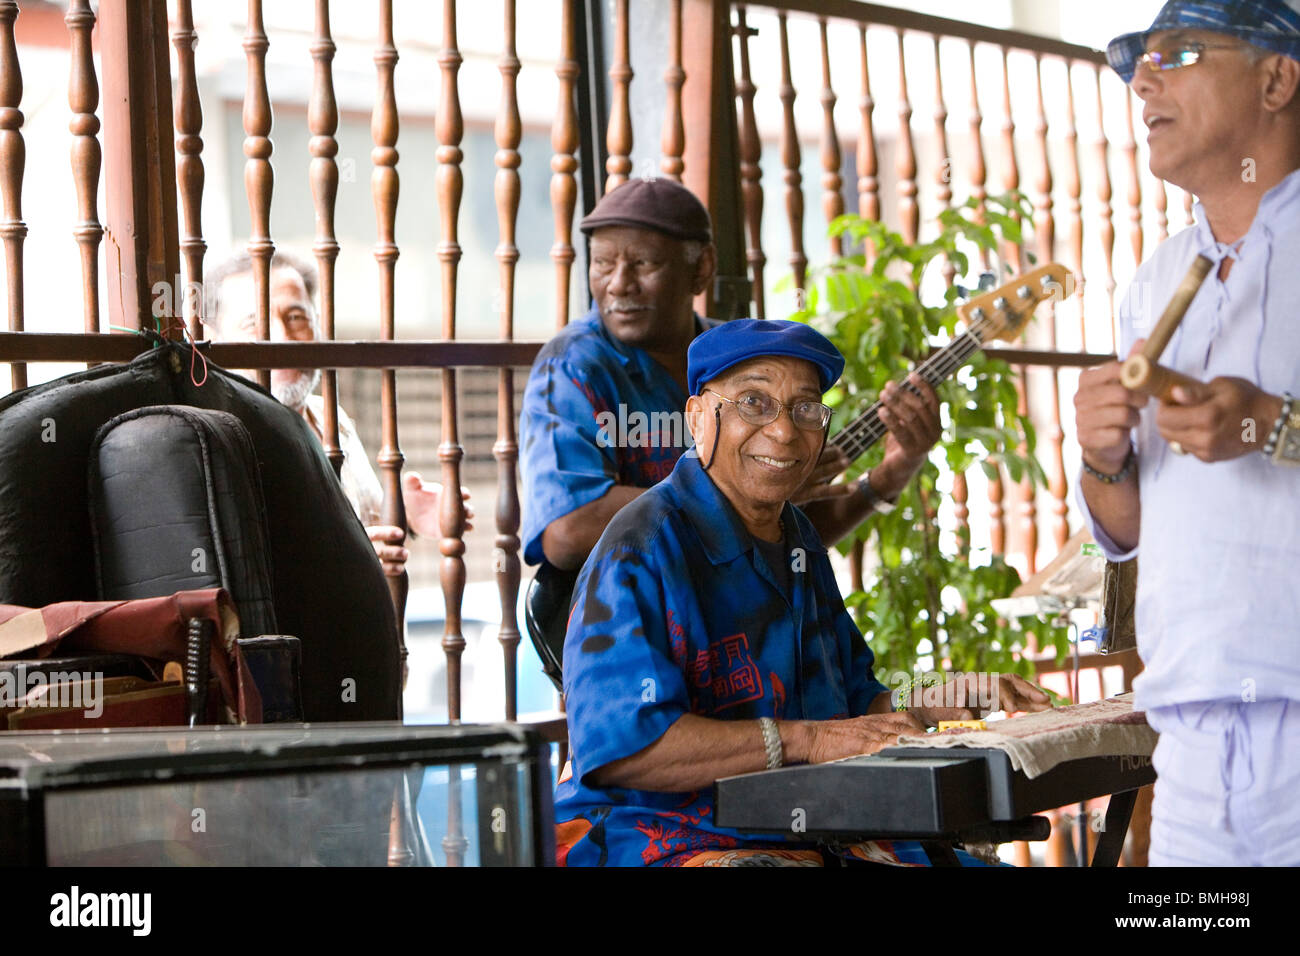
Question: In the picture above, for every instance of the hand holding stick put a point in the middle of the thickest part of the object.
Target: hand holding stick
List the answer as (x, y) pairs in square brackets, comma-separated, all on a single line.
[(1141, 372)]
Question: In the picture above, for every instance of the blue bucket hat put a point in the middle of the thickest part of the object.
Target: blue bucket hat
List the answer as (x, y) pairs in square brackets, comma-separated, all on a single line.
[(1273, 25), (740, 340)]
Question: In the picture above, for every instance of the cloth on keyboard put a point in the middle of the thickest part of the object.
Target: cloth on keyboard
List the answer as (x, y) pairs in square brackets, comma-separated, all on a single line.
[(1038, 742)]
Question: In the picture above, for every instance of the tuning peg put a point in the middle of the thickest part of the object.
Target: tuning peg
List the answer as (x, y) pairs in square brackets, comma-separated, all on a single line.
[(1000, 303), (977, 314), (1025, 292)]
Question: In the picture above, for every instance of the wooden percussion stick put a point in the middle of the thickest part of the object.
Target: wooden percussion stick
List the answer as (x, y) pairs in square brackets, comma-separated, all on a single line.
[(1140, 372)]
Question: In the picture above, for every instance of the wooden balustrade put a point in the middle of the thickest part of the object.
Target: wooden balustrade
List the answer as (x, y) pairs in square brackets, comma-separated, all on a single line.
[(188, 121), (868, 184), (13, 158), (384, 187), (618, 140), (1134, 181), (1056, 186), (564, 143), (791, 156), (1045, 231), (832, 200), (83, 98), (259, 177), (909, 213), (751, 153), (765, 67), (1074, 209), (673, 141), (323, 172), (1106, 227), (450, 184), (509, 129)]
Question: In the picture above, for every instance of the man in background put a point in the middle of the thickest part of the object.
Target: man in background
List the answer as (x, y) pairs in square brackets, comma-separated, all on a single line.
[(230, 310)]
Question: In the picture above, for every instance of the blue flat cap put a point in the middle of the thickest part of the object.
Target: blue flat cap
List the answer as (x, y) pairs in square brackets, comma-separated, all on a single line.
[(1273, 25), (740, 340)]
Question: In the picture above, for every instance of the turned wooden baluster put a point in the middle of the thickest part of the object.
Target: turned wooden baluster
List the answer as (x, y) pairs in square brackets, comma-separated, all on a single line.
[(791, 157), (384, 185), (908, 211), (1010, 170), (509, 129), (1045, 231), (978, 191), (943, 194), (83, 98), (943, 168), (384, 189), (1106, 230), (869, 208), (13, 158), (564, 143), (1011, 255), (618, 138), (832, 201), (867, 164), (1074, 190), (323, 123), (449, 182), (187, 115), (978, 171), (751, 152), (259, 178), (673, 141), (1162, 211), (1134, 181)]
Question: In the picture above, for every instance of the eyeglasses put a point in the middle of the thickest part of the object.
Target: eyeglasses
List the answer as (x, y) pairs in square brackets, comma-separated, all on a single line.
[(1174, 56), (759, 408)]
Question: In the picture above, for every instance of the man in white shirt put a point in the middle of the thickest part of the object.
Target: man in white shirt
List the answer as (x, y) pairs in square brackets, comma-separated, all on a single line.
[(231, 316), (1202, 482)]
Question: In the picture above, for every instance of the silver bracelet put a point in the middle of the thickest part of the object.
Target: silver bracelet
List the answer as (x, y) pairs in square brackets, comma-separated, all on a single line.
[(873, 500), (1270, 446), (771, 742)]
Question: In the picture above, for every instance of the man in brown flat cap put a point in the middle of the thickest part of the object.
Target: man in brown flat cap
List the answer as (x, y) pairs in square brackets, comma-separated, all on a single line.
[(603, 415)]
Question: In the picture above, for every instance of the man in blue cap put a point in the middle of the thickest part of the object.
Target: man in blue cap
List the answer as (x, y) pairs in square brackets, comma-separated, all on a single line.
[(602, 414), (1202, 482), (708, 636)]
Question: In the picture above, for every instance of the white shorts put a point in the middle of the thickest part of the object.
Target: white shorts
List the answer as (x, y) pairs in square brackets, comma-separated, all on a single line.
[(1228, 784)]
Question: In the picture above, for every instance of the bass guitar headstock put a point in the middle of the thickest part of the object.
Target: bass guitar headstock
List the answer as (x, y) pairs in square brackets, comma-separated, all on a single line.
[(1003, 312)]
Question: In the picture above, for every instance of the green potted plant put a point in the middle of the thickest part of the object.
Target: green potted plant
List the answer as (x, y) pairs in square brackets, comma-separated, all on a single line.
[(927, 601)]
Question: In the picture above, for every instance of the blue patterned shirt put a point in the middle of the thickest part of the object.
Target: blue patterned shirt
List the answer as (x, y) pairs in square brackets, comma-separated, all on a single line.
[(596, 413), (677, 612)]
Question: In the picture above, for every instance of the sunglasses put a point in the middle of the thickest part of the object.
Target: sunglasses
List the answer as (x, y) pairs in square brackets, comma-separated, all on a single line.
[(759, 408), (1174, 56)]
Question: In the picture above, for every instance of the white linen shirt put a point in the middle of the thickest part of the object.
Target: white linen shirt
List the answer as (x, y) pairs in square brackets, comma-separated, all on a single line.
[(1218, 603)]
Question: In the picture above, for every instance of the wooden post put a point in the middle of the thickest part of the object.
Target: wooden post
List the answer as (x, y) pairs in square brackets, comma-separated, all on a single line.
[(711, 156), (87, 159), (509, 129), (139, 164)]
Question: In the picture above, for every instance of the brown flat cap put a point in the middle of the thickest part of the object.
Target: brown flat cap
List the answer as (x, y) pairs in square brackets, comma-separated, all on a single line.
[(662, 205)]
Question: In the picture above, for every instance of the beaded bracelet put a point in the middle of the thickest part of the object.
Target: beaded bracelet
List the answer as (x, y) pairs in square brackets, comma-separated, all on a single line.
[(1270, 446), (1129, 461)]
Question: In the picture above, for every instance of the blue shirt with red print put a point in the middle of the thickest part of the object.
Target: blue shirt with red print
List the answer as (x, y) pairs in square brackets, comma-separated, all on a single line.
[(596, 413), (676, 612)]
